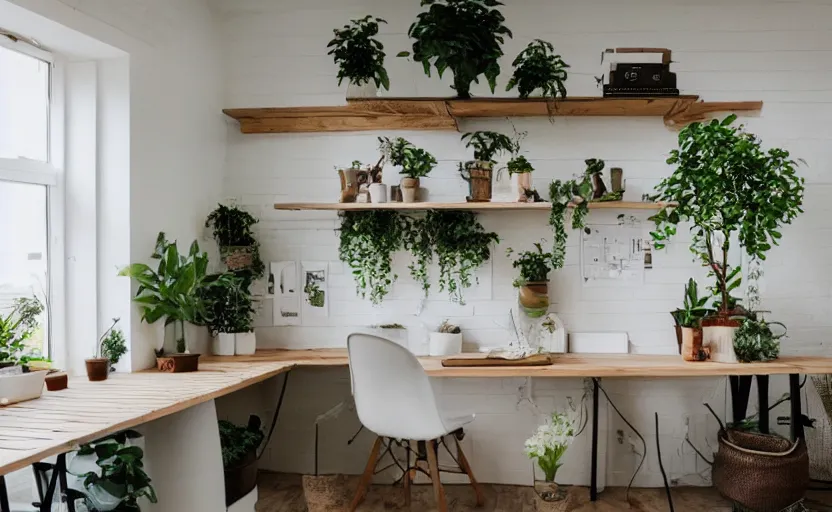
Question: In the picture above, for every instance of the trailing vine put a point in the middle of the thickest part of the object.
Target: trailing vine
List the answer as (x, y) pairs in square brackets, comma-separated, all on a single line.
[(462, 245), (368, 241), (576, 191), (418, 241)]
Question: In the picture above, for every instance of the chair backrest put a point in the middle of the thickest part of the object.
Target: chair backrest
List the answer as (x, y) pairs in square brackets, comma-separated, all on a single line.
[(393, 394)]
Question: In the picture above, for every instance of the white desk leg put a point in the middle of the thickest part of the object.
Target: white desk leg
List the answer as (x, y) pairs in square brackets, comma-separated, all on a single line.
[(184, 461)]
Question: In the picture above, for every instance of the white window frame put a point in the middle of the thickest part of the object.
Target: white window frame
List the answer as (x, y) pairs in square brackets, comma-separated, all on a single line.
[(50, 174)]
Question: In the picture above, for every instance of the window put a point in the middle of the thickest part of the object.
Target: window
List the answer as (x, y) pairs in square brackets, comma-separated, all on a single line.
[(28, 180)]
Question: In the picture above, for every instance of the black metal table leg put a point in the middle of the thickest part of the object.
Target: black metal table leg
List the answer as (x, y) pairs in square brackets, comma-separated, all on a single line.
[(593, 486), (740, 393), (797, 409), (4, 496), (762, 398)]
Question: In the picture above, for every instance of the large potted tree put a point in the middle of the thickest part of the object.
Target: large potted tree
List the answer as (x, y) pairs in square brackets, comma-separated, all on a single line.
[(726, 185), (479, 172), (360, 57), (465, 36)]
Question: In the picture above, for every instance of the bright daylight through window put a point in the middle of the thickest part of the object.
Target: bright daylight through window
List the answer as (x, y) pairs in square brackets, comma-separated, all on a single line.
[(26, 182)]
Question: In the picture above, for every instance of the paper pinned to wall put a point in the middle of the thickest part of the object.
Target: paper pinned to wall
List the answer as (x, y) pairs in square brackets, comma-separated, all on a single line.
[(286, 293), (612, 255), (314, 278)]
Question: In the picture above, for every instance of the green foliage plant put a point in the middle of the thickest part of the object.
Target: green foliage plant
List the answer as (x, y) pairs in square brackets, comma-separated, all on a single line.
[(232, 228), (17, 327), (694, 308), (112, 344), (418, 240), (578, 193), (415, 162), (229, 304), (358, 54), (534, 265), (368, 240), (754, 342), (539, 67), (519, 165), (465, 36), (726, 184), (237, 442), (487, 145)]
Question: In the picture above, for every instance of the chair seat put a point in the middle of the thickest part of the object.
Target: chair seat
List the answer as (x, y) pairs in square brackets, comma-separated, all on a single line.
[(455, 422)]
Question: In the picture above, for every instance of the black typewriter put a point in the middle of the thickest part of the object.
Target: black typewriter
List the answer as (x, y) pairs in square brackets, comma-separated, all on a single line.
[(639, 79)]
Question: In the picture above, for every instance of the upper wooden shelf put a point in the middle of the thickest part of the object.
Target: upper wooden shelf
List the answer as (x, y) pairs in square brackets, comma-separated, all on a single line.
[(444, 114), (611, 205)]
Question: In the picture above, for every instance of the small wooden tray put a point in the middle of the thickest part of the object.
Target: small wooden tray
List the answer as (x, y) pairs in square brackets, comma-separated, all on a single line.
[(535, 360)]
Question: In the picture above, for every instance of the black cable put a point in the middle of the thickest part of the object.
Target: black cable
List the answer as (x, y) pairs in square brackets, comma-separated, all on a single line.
[(643, 442), (661, 466), (276, 414)]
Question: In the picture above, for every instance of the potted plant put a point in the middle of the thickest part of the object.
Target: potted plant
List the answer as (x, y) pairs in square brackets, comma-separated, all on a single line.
[(523, 169), (479, 172), (239, 457), (755, 342), (688, 324), (232, 230), (230, 315), (367, 243), (534, 280), (360, 57), (109, 349), (446, 341), (415, 163), (465, 36), (725, 184), (19, 382), (110, 474), (576, 193), (547, 447), (538, 67)]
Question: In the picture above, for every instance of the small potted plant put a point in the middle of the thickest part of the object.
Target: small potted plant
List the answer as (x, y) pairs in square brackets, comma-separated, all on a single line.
[(415, 163), (230, 315), (20, 382), (239, 457), (479, 172), (547, 447), (446, 341), (465, 36), (232, 230), (109, 349), (726, 185), (360, 57), (688, 324), (533, 282), (538, 67)]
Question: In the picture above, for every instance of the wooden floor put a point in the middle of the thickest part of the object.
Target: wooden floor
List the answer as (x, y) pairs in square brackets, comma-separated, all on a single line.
[(284, 493)]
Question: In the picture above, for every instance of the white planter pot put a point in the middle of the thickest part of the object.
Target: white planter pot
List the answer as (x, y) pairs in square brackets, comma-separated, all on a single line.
[(21, 387), (378, 193), (721, 341), (223, 344), (246, 343), (196, 339), (445, 344), (368, 90)]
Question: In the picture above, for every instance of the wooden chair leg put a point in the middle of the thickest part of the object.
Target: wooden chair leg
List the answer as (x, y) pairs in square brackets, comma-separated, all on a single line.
[(465, 466), (438, 490), (367, 477)]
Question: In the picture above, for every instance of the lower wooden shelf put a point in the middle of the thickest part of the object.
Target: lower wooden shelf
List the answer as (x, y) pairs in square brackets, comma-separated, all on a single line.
[(350, 207)]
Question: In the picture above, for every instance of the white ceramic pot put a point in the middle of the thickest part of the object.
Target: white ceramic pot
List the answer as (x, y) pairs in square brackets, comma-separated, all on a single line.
[(223, 344), (246, 343), (368, 90), (445, 344), (721, 340), (21, 387), (378, 193)]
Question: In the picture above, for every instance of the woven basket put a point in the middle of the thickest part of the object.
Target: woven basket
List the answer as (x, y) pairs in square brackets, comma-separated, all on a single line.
[(237, 258), (761, 472), (327, 493)]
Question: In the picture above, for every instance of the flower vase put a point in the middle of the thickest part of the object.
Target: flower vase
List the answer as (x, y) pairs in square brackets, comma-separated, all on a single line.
[(549, 495)]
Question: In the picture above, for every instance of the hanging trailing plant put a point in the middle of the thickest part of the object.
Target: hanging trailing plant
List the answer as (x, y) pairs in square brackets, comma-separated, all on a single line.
[(367, 243), (359, 56), (465, 36), (417, 240), (538, 67), (462, 245), (561, 194)]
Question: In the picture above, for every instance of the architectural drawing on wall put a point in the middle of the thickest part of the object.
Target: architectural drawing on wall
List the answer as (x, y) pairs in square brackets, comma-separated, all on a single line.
[(286, 292), (612, 255), (315, 292)]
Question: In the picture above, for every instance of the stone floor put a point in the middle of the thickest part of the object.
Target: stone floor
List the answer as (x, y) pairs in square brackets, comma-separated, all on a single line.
[(284, 493)]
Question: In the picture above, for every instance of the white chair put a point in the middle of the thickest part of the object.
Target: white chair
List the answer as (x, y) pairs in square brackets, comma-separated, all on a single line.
[(395, 400)]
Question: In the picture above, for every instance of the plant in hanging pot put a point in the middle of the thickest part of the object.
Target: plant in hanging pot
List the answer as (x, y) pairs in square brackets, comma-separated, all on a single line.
[(726, 185), (688, 324), (360, 57), (539, 67), (415, 163), (479, 172), (465, 36), (547, 447), (576, 193), (446, 341), (239, 457), (534, 280), (232, 230), (109, 349), (229, 314)]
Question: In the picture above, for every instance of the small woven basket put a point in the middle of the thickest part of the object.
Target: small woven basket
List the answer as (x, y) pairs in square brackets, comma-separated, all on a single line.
[(237, 258), (761, 472)]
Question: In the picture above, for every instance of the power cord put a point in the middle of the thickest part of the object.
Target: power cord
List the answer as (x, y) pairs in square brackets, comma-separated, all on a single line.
[(661, 466)]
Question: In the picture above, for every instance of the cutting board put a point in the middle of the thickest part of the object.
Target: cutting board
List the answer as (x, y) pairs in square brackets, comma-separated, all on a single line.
[(463, 362)]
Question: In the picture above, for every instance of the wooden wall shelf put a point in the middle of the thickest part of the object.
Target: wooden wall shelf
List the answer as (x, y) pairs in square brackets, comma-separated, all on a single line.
[(444, 114), (611, 205)]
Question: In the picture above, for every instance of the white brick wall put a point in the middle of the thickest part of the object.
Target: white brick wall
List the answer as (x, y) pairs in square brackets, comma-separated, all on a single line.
[(754, 49)]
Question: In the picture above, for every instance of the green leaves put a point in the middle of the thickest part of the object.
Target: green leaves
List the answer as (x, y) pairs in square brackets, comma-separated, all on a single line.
[(465, 36), (538, 67), (487, 145), (754, 341), (237, 442), (534, 265), (415, 162), (232, 227), (367, 243), (358, 54), (561, 194), (18, 326), (694, 309)]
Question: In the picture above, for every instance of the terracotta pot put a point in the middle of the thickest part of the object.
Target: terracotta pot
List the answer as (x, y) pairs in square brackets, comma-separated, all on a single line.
[(692, 349), (97, 369), (524, 183), (178, 363), (718, 335), (534, 299), (57, 381)]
